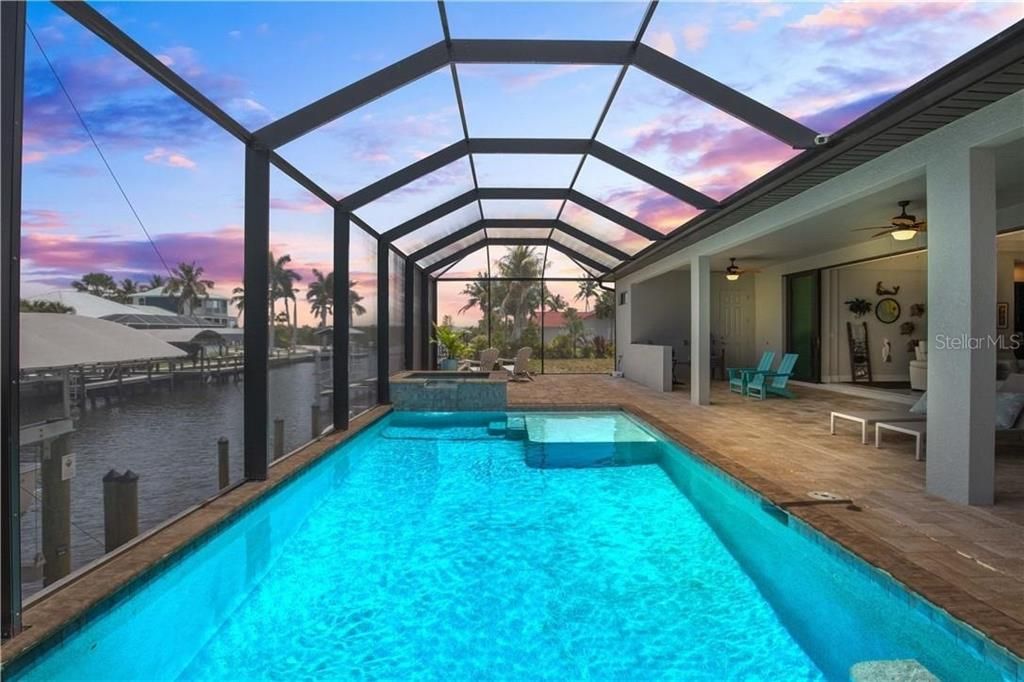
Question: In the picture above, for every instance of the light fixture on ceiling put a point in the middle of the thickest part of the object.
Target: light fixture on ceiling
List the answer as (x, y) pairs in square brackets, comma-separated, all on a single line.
[(732, 273), (904, 234), (902, 227)]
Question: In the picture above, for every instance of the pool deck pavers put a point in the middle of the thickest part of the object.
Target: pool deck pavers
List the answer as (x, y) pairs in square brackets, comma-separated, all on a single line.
[(968, 560)]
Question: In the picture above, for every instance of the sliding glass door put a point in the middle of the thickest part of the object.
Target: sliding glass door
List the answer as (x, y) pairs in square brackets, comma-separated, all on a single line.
[(803, 323)]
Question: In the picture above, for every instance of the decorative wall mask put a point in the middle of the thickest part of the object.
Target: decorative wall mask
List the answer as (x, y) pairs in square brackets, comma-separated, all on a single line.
[(917, 310), (882, 291), (907, 328)]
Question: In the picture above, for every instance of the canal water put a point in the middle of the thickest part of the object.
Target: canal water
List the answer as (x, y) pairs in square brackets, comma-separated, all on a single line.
[(169, 438)]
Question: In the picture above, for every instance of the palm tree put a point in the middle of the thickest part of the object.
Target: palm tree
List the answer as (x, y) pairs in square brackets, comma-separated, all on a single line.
[(28, 306), (281, 287), (519, 298), (555, 302), (574, 328), (238, 298), (187, 284), (588, 290), (126, 288), (604, 309), (98, 284), (477, 294), (354, 307), (155, 282), (320, 294)]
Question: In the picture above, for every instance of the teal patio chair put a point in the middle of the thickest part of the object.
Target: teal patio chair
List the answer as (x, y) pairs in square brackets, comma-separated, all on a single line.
[(740, 376), (764, 384)]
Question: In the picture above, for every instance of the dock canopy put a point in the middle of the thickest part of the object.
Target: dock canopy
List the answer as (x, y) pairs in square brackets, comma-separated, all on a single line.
[(51, 341)]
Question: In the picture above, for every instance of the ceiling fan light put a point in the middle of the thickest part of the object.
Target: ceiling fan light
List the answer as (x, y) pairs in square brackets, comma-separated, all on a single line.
[(732, 276), (903, 235)]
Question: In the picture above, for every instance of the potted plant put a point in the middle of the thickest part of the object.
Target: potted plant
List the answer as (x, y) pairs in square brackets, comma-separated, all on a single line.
[(858, 306), (450, 339)]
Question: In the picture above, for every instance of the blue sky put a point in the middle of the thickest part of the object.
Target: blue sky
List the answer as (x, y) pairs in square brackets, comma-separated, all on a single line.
[(822, 63)]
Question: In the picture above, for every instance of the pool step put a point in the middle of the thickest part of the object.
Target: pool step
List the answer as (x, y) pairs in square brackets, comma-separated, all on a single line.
[(515, 428), (906, 670), (497, 428)]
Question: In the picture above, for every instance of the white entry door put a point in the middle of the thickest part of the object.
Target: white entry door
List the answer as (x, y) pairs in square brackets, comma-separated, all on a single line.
[(735, 312)]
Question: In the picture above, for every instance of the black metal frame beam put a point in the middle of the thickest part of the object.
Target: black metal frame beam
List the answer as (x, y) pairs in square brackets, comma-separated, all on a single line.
[(609, 213), (12, 91), (427, 217), (256, 333), (88, 17), (409, 311), (490, 51), (526, 193), (353, 96), (413, 171), (498, 241), (654, 178), (340, 340), (458, 150), (383, 324), (424, 313), (301, 178), (499, 224), (724, 98)]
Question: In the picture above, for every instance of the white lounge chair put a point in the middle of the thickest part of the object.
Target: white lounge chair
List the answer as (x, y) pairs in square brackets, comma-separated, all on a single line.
[(917, 429), (488, 359), (519, 370), (867, 419)]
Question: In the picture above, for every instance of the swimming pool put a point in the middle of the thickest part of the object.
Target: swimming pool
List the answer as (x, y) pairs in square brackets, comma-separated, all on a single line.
[(428, 547)]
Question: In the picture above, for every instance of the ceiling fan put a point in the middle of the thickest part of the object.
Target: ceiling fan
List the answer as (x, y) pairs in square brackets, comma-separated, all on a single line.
[(733, 272), (903, 227)]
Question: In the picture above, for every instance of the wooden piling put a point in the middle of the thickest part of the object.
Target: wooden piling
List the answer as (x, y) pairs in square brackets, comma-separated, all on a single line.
[(120, 508), (223, 473), (314, 419), (278, 438), (56, 512)]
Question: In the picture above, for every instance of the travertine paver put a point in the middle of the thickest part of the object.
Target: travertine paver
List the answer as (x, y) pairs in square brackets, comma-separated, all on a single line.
[(969, 560)]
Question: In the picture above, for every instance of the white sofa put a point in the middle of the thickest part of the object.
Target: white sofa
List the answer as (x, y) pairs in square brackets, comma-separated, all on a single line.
[(919, 367)]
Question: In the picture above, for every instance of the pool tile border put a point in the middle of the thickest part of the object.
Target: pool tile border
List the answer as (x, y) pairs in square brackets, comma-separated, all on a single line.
[(62, 612), (996, 635)]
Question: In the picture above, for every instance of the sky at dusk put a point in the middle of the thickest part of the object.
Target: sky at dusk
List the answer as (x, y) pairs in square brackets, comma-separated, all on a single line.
[(824, 64)]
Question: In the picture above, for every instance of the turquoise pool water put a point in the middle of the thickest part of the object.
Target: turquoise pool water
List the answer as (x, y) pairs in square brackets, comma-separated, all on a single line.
[(427, 548)]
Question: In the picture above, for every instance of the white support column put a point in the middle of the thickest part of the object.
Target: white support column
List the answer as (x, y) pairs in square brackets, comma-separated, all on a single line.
[(961, 324), (700, 330)]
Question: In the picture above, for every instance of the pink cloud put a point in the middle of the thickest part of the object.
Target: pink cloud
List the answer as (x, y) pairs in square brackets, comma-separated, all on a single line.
[(847, 20), (540, 75), (306, 203), (695, 37), (651, 206), (166, 157), (744, 25), (43, 219), (68, 256), (663, 42)]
